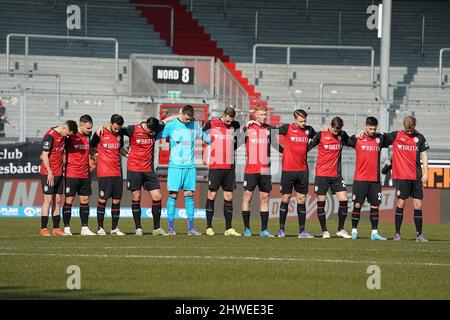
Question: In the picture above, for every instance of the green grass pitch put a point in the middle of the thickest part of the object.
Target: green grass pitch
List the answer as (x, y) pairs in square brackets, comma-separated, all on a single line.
[(219, 267)]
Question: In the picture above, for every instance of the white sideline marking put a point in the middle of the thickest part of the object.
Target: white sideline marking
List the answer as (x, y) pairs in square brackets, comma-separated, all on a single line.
[(270, 259)]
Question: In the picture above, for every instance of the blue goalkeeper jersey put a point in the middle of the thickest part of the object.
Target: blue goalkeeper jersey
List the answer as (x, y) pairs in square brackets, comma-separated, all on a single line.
[(182, 142)]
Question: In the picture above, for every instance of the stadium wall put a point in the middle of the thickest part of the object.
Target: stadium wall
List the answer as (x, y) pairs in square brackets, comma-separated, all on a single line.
[(23, 198)]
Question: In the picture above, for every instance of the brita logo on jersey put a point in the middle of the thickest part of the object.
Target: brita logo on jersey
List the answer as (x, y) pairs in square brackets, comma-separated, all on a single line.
[(143, 141), (81, 147), (332, 146), (259, 141), (299, 139), (226, 137), (407, 148), (111, 145), (370, 148)]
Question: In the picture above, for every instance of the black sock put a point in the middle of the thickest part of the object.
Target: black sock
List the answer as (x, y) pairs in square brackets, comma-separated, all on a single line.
[(228, 213), (418, 221), (84, 214), (264, 219), (374, 218), (56, 221), (67, 214), (322, 215), (246, 217), (342, 213), (100, 214), (301, 213), (115, 213), (209, 212), (136, 209), (284, 207), (398, 219), (156, 213), (44, 222), (356, 214)]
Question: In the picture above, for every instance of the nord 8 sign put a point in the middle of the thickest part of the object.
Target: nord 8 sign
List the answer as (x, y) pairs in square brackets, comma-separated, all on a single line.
[(175, 75)]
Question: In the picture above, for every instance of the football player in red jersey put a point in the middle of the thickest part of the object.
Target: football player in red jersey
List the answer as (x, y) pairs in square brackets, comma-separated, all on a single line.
[(141, 172), (109, 146), (366, 181), (295, 173), (77, 179), (257, 169), (409, 149), (53, 147), (222, 173), (328, 174)]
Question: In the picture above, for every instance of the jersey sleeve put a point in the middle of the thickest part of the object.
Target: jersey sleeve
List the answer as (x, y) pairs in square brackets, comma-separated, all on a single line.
[(158, 134), (127, 131), (47, 143), (351, 141), (95, 140), (316, 140), (389, 138), (283, 130), (207, 126), (423, 144), (201, 134), (166, 132), (312, 133)]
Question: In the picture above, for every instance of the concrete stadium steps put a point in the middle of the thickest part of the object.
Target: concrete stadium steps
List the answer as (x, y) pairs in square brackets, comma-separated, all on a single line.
[(42, 18)]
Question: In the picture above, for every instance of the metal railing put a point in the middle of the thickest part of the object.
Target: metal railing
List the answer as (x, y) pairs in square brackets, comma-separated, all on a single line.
[(138, 5), (55, 37), (228, 91), (305, 46), (441, 53), (142, 83), (339, 13), (30, 74)]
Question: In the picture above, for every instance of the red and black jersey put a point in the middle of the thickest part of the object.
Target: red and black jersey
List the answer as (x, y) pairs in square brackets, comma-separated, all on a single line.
[(257, 145), (368, 150), (330, 153), (108, 146), (142, 147), (78, 148), (223, 143), (406, 154), (55, 144), (296, 146)]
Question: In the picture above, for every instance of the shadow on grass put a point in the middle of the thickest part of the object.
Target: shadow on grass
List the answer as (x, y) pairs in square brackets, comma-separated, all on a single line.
[(19, 293)]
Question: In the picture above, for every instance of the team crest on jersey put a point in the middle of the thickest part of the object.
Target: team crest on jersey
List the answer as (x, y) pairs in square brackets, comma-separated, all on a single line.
[(102, 193), (416, 139), (67, 189)]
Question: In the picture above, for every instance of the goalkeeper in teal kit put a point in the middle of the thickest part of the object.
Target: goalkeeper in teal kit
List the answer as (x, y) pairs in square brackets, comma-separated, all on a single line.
[(182, 173)]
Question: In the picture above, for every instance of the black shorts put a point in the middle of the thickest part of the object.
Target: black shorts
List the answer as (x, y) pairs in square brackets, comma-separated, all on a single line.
[(225, 178), (58, 187), (336, 184), (263, 181), (409, 188), (110, 187), (147, 180), (80, 186), (297, 180), (367, 189)]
